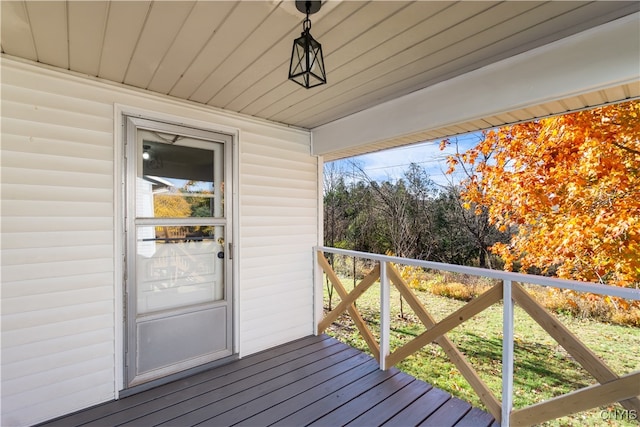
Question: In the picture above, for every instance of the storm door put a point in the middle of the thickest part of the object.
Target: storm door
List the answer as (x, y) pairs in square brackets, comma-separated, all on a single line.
[(178, 227)]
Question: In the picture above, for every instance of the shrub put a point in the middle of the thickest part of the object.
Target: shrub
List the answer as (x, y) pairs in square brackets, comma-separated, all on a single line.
[(458, 286), (577, 304)]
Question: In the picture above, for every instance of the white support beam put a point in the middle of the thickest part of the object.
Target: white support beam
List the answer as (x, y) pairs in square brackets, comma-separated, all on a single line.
[(602, 57), (385, 316), (507, 352)]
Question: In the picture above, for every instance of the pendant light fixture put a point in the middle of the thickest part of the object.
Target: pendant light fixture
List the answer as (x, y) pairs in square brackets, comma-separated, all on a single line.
[(307, 63)]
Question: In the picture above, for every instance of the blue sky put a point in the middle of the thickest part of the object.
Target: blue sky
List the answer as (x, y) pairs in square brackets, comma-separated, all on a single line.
[(390, 164)]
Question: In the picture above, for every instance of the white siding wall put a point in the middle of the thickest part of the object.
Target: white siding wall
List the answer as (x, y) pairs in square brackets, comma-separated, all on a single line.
[(60, 284), (279, 195)]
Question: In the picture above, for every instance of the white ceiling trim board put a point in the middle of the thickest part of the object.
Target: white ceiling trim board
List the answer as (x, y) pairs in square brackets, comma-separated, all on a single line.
[(556, 71)]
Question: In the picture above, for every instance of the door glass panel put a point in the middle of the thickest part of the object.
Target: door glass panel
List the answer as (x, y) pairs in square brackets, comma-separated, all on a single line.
[(178, 181), (179, 266)]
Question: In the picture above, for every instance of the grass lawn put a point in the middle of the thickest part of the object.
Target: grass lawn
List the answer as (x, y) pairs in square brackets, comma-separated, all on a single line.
[(543, 369)]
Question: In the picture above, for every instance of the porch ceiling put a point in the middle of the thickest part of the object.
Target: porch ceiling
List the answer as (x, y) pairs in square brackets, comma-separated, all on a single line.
[(234, 54)]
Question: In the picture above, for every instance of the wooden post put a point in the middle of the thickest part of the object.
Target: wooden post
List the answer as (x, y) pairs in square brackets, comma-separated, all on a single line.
[(507, 353), (385, 316)]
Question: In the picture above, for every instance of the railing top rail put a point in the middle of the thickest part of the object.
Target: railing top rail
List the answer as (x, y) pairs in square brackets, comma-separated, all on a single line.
[(596, 288)]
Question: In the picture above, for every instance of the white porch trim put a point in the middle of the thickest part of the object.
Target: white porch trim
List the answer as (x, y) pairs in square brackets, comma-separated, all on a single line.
[(603, 57)]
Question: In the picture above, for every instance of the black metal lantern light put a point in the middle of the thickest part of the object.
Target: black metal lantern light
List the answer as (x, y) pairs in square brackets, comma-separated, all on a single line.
[(307, 63)]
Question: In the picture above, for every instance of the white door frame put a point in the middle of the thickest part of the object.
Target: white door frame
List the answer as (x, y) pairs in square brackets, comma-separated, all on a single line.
[(120, 113)]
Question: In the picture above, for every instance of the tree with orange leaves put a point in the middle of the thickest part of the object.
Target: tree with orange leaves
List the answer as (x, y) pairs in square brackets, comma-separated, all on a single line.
[(569, 186)]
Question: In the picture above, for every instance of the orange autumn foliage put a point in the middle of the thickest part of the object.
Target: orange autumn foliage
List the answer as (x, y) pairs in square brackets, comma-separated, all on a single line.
[(570, 188)]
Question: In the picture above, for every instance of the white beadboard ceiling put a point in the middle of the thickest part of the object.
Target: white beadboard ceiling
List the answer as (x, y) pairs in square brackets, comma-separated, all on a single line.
[(235, 54)]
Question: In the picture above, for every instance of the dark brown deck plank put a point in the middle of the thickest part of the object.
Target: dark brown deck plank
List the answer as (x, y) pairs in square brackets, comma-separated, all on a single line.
[(202, 395), (106, 409), (476, 418), (276, 380), (448, 414), (308, 397), (386, 409), (314, 380), (329, 403), (420, 408), (261, 401), (357, 406)]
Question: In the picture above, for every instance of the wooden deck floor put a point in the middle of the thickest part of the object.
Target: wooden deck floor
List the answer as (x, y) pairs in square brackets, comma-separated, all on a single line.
[(313, 381)]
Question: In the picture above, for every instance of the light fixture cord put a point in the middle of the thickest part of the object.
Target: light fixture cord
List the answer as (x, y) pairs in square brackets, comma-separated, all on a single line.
[(306, 25)]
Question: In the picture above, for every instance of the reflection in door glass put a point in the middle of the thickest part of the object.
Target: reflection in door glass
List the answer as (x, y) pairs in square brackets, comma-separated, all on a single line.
[(179, 266), (177, 181)]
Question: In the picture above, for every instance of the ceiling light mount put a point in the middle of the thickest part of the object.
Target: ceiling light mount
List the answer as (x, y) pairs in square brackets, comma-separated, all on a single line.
[(307, 63), (308, 7)]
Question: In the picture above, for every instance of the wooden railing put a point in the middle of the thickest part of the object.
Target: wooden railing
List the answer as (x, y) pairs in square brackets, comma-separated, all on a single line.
[(611, 388)]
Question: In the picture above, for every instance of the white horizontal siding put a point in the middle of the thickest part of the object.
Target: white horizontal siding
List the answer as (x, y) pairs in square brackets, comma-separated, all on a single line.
[(279, 230), (61, 253), (16, 321), (279, 211), (55, 147), (74, 371), (257, 259), (273, 278), (24, 288), (40, 95), (278, 295), (273, 319), (266, 201), (279, 330), (34, 223), (274, 211), (28, 383), (56, 162), (54, 115), (55, 140), (45, 192), (53, 331), (280, 191), (53, 178), (84, 386), (283, 182), (44, 270), (43, 208), (32, 366), (262, 243), (57, 261), (60, 281), (44, 301), (42, 350)]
